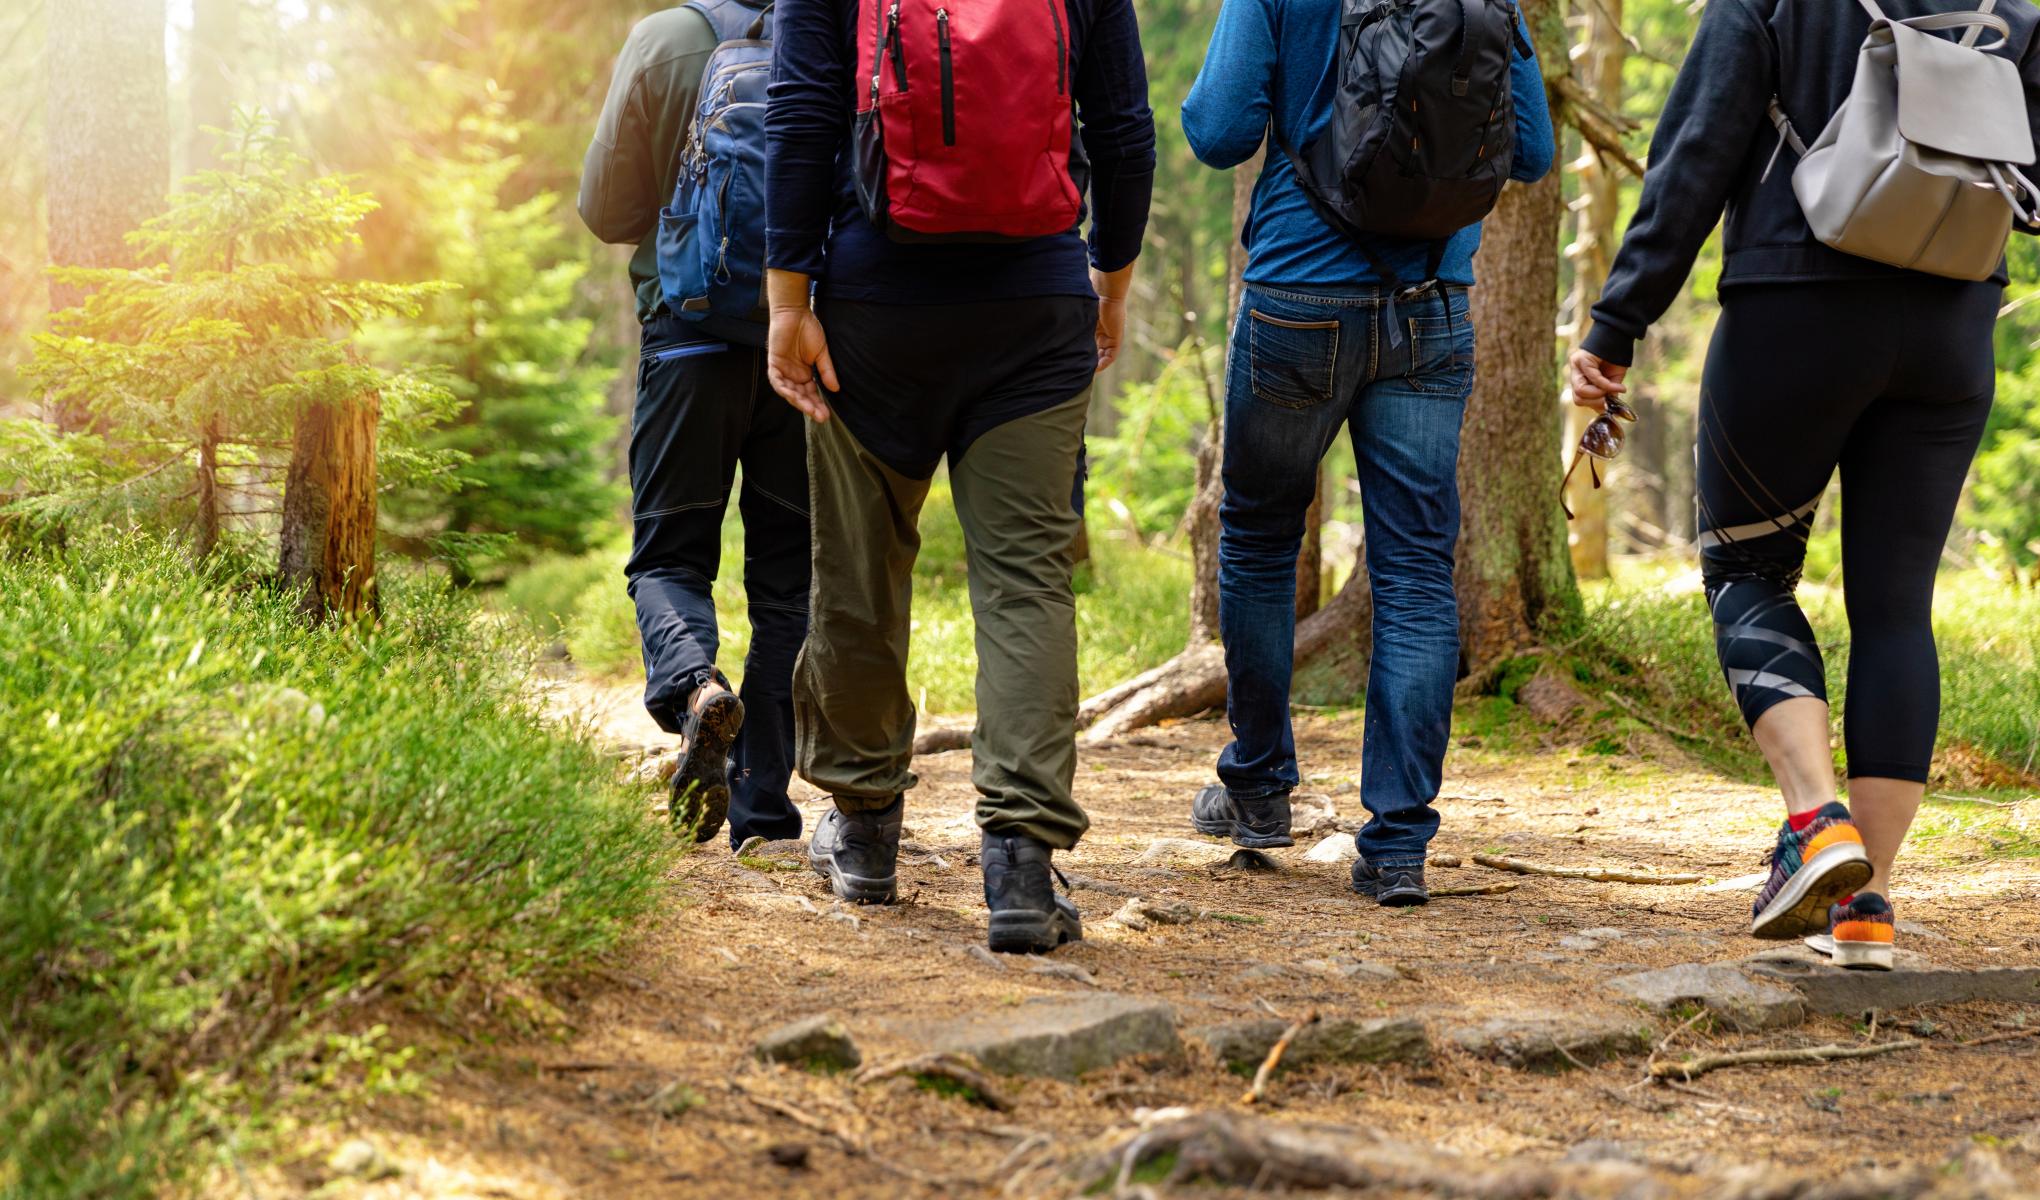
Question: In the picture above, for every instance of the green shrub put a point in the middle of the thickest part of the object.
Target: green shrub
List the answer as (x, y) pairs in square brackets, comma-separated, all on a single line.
[(223, 837)]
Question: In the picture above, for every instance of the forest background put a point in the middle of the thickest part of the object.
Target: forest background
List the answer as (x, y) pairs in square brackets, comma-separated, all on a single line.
[(342, 199)]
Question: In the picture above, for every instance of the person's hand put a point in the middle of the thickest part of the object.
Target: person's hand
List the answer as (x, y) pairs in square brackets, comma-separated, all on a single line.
[(796, 348), (1593, 380), (1112, 288)]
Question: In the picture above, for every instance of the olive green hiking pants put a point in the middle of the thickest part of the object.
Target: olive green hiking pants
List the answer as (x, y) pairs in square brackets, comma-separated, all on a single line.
[(853, 717)]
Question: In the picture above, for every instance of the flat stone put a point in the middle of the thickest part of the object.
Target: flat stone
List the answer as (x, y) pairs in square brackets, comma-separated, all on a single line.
[(1243, 1045), (1059, 1036), (1723, 989), (1138, 913), (1833, 990), (1184, 850), (1252, 861), (1545, 1040), (817, 1043), (1338, 848)]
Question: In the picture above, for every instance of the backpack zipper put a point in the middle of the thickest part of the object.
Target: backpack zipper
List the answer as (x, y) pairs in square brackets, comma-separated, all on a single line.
[(948, 78), (899, 50), (1062, 50)]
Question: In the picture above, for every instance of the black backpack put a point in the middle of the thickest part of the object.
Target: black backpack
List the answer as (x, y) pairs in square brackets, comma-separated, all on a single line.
[(1423, 128)]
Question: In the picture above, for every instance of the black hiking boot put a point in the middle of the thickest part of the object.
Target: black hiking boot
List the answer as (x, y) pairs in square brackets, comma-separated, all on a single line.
[(1027, 916), (1261, 824), (859, 852), (1391, 887), (701, 784)]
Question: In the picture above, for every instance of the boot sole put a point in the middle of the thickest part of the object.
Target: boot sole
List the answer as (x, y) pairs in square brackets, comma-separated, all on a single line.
[(1026, 932), (1241, 835), (1855, 956), (701, 783), (857, 889), (1801, 907)]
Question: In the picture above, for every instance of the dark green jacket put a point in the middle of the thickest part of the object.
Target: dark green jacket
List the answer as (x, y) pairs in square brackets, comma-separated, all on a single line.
[(635, 157)]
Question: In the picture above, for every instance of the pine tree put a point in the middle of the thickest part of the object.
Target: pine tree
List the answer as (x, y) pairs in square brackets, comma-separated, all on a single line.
[(534, 432), (198, 374)]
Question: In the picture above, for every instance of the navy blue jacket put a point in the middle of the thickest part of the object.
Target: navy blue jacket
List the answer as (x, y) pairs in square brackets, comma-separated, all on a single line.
[(814, 224)]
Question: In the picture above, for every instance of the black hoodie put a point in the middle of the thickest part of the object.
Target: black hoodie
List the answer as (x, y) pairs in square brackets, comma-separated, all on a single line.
[(1715, 138)]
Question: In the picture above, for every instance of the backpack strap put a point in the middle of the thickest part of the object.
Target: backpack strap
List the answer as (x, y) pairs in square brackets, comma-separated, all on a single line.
[(732, 20), (1976, 31)]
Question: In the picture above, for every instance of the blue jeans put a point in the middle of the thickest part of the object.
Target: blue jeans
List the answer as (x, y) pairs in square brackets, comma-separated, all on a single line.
[(703, 408), (1302, 365)]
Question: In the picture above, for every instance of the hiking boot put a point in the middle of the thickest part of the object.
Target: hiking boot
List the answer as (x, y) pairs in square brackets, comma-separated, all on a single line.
[(1027, 916), (1261, 824), (1811, 870), (859, 852), (1861, 933), (701, 784), (1391, 887)]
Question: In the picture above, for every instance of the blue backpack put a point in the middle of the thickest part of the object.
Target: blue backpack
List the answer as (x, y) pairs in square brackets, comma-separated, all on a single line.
[(712, 237)]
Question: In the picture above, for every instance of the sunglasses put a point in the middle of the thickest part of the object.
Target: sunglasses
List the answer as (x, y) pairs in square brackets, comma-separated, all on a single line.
[(1602, 442)]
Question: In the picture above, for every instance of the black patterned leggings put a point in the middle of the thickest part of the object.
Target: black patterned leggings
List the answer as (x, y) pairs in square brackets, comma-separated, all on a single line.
[(1891, 380)]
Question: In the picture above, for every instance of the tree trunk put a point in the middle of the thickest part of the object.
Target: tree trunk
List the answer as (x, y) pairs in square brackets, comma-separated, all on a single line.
[(208, 538), (1310, 560), (107, 131), (329, 507), (1513, 571), (215, 44), (1593, 250)]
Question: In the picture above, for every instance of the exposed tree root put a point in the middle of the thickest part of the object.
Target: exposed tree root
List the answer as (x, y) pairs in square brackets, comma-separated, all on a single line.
[(942, 739), (1593, 874), (977, 1086), (1804, 1054), (1478, 889)]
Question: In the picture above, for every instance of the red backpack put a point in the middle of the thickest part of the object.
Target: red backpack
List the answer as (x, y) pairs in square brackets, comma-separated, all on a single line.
[(963, 131)]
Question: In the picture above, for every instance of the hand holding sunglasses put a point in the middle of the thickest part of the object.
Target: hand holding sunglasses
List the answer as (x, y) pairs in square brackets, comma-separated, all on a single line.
[(1597, 384)]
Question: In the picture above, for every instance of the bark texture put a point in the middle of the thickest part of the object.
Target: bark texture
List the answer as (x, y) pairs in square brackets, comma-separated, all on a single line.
[(108, 131), (329, 511), (1513, 572)]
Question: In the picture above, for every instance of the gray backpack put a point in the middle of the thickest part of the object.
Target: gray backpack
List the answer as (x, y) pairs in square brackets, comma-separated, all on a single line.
[(1920, 166)]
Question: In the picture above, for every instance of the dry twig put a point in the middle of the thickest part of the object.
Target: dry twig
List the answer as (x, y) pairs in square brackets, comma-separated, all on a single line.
[(1477, 889), (1990, 1038), (1802, 1054), (1274, 1059), (1592, 874)]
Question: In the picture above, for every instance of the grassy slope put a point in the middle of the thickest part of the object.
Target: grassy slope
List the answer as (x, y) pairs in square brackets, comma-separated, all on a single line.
[(224, 841)]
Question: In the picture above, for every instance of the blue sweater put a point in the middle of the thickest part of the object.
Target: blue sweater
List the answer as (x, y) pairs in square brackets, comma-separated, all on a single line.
[(814, 224), (1276, 56)]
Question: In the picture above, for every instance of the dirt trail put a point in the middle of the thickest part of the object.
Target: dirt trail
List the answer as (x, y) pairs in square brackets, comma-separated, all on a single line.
[(652, 1090)]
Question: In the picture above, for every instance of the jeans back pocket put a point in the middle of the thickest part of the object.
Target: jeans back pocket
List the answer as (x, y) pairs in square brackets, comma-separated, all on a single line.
[(1292, 362)]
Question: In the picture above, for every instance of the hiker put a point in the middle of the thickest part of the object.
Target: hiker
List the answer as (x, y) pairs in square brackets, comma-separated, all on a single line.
[(703, 408), (954, 316), (1828, 353), (1354, 318)]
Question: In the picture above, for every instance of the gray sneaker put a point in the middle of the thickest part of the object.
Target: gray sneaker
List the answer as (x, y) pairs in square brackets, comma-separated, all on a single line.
[(859, 853), (1261, 824)]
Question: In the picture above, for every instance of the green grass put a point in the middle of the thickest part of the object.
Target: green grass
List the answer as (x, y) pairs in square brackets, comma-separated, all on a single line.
[(1131, 610), (229, 845), (1656, 648)]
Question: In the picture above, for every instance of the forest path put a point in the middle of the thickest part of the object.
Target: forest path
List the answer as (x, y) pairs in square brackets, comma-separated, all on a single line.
[(652, 1087)]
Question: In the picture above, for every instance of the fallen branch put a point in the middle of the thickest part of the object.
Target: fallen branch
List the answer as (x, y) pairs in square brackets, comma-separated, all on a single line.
[(1804, 1054), (1274, 1059), (1592, 874), (954, 1067), (1475, 889), (1989, 1039)]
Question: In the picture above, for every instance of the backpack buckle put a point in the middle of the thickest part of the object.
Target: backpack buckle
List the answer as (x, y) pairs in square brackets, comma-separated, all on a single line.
[(1415, 290)]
